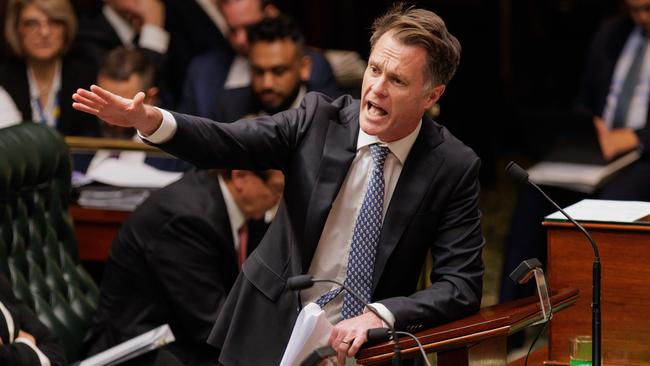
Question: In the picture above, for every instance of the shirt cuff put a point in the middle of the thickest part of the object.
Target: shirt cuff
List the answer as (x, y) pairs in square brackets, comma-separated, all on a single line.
[(383, 310), (41, 356), (166, 130), (155, 38)]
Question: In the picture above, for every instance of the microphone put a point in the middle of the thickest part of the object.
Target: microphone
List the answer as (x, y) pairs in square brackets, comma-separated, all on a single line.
[(521, 176), (302, 282)]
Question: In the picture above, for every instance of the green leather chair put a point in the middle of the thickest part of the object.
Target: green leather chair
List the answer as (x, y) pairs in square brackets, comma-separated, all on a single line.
[(38, 249)]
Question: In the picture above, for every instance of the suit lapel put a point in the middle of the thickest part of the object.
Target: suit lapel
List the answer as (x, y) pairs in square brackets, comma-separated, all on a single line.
[(334, 167), (414, 181)]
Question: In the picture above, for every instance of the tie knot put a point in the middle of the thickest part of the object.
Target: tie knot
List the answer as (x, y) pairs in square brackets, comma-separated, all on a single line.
[(379, 154)]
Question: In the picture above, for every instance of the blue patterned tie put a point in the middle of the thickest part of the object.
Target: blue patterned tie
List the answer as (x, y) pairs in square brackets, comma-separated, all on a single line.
[(365, 237)]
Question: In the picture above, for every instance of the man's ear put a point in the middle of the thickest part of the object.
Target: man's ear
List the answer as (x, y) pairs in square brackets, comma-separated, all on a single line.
[(305, 68), (271, 11), (151, 95), (238, 179), (432, 96)]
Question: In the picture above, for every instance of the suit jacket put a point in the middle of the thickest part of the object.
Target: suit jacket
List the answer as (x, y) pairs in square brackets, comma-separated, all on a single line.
[(604, 52), (434, 208), (207, 74), (74, 75), (19, 354), (192, 33), (176, 253)]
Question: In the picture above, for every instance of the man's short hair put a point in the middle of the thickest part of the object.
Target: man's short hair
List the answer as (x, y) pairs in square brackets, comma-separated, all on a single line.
[(59, 10), (425, 29), (120, 63), (277, 28)]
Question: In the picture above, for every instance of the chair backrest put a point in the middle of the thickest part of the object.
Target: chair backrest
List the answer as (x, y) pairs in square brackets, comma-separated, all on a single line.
[(38, 249)]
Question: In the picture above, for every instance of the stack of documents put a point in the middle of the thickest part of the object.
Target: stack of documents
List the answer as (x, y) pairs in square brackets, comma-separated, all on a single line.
[(311, 331)]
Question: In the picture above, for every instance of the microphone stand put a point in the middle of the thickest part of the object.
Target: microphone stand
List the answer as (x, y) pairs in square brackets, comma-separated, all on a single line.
[(520, 174)]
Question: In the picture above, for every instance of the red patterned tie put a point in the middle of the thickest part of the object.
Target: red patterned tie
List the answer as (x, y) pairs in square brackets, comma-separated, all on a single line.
[(243, 244)]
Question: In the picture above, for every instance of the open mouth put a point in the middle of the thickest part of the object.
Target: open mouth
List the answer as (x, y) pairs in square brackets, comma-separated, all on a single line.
[(376, 111)]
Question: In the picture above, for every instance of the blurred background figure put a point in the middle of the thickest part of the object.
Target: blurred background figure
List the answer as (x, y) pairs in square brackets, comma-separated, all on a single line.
[(39, 76), (280, 68), (217, 70), (180, 252)]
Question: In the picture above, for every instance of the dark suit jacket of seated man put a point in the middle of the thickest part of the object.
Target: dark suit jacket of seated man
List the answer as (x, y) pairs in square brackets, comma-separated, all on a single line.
[(324, 150), (173, 261)]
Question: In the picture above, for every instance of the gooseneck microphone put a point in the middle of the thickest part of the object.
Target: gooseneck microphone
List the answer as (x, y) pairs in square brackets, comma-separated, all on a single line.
[(302, 282), (521, 176)]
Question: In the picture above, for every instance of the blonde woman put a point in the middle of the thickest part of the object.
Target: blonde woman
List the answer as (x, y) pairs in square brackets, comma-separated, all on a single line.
[(39, 77)]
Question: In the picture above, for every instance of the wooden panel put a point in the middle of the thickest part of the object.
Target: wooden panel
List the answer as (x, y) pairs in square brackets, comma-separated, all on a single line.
[(625, 290), (95, 230)]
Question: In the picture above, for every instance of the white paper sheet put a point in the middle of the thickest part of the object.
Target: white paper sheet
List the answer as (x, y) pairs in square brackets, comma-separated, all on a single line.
[(143, 343), (605, 211), (126, 173), (311, 331)]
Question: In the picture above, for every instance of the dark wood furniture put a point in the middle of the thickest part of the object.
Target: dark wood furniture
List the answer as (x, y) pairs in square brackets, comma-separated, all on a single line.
[(625, 300), (95, 230), (480, 337)]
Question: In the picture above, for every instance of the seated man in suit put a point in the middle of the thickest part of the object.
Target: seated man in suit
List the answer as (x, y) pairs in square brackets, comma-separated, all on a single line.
[(24, 340), (372, 186), (614, 95), (125, 23), (279, 67), (176, 258), (209, 74)]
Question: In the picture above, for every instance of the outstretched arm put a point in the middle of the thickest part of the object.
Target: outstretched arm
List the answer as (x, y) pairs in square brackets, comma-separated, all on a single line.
[(118, 111)]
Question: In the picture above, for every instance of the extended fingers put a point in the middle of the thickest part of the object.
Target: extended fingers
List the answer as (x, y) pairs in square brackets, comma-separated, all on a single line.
[(85, 101), (107, 96), (84, 108)]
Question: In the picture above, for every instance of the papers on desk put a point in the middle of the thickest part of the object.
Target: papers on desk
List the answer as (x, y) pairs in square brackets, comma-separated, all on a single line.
[(605, 211), (134, 347), (311, 331), (133, 174), (578, 177)]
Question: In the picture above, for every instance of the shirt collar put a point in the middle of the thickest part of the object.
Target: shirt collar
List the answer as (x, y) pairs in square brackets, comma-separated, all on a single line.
[(124, 31), (237, 219), (299, 97), (400, 148)]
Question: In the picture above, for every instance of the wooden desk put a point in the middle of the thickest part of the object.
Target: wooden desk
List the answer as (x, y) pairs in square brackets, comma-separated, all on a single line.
[(477, 339), (625, 290), (95, 230)]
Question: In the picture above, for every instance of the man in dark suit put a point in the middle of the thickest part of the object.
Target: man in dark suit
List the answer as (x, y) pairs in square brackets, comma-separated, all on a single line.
[(280, 69), (330, 151), (123, 23), (223, 69), (609, 61), (176, 257)]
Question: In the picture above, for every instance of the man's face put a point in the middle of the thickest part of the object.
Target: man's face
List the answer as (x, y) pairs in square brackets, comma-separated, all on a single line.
[(277, 71), (640, 13), (257, 195), (394, 93), (240, 14)]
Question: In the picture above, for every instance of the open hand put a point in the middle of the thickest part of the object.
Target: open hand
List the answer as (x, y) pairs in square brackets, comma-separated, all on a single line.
[(118, 111)]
